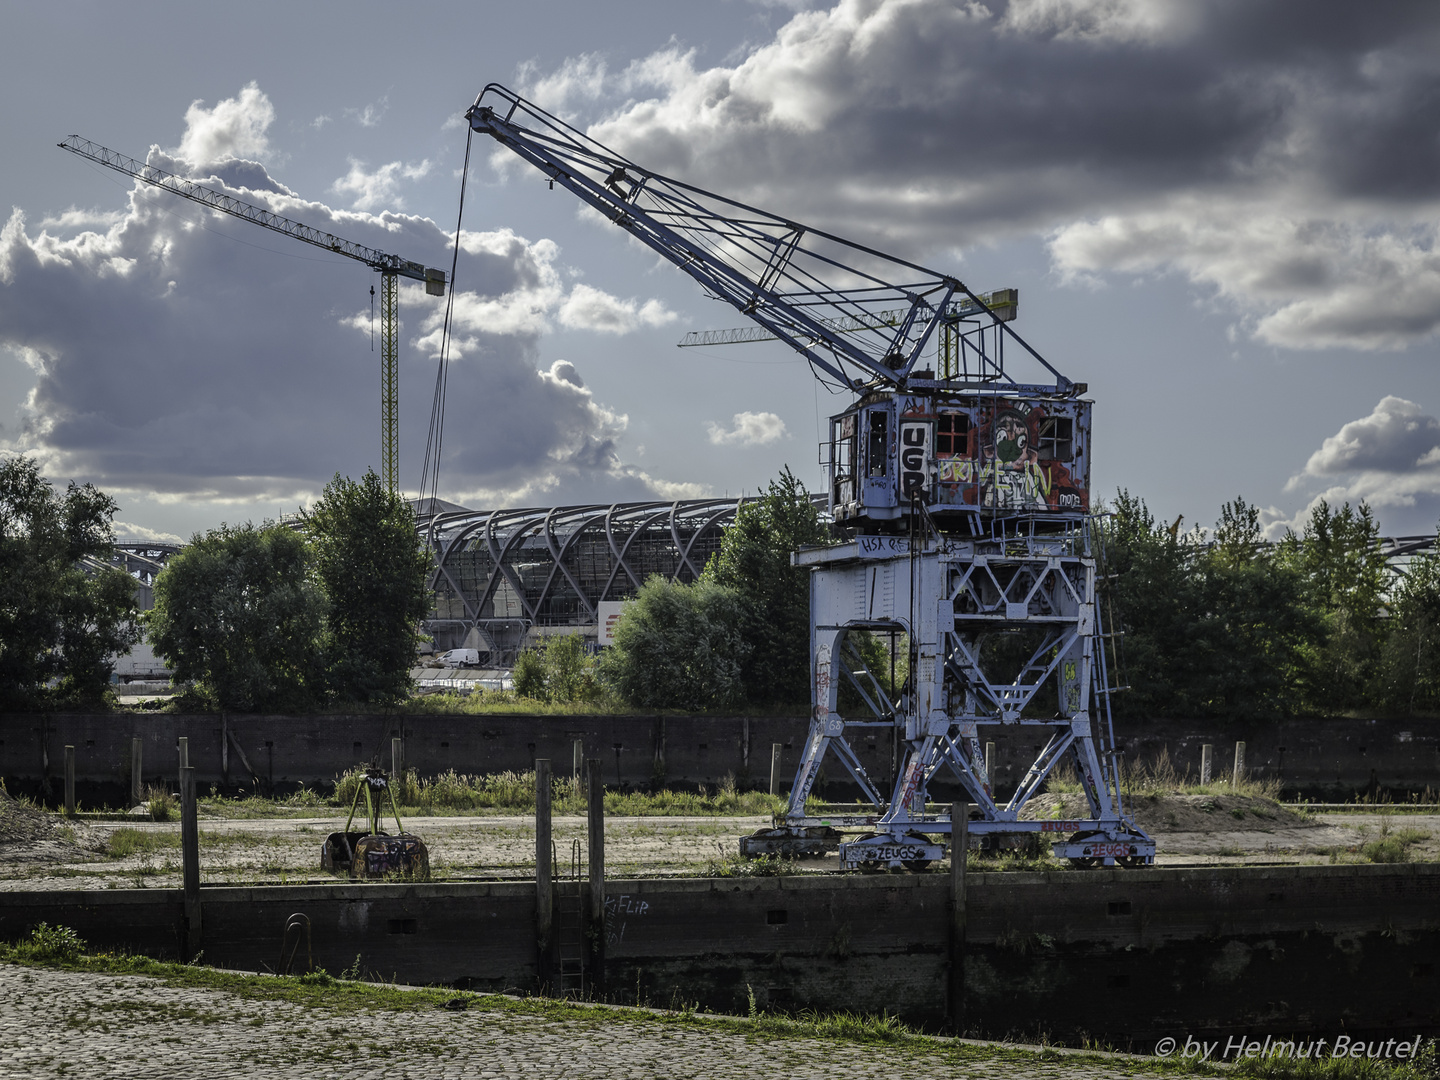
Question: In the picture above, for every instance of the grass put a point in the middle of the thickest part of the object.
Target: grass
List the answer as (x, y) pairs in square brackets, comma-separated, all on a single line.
[(475, 703), (163, 805), (1392, 846), (126, 842), (453, 793), (1159, 777), (1425, 800), (736, 865), (335, 998), (480, 702), (515, 792)]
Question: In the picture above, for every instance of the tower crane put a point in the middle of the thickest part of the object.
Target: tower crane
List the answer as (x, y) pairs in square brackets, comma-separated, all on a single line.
[(965, 497), (390, 267)]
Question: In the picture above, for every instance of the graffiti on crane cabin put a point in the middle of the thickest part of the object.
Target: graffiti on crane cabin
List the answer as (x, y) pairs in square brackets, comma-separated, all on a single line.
[(1013, 458)]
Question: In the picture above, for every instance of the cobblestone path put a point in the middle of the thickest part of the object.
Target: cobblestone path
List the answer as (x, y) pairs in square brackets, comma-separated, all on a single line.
[(73, 1024)]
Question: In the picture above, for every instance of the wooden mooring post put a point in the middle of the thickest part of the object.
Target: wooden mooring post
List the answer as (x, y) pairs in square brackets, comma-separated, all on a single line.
[(69, 779), (544, 885), (959, 856), (190, 854), (595, 829), (137, 793)]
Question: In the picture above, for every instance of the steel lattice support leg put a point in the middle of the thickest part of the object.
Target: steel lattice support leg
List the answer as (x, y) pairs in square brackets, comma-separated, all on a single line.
[(1036, 592), (390, 380)]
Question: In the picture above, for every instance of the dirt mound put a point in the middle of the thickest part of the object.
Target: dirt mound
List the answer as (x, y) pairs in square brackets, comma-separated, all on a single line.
[(29, 834), (1181, 813)]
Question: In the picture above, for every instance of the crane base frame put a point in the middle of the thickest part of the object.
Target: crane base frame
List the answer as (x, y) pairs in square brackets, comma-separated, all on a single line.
[(1033, 584)]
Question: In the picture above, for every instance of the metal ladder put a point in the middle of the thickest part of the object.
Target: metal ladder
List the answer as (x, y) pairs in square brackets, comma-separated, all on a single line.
[(570, 941)]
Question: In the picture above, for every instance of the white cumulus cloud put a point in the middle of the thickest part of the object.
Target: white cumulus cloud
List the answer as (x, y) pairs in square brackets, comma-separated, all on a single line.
[(588, 308), (369, 189), (176, 359), (1388, 459), (748, 429), (235, 127)]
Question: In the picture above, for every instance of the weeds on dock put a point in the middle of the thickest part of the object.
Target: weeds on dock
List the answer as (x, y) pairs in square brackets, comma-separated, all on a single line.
[(1159, 777), (515, 791)]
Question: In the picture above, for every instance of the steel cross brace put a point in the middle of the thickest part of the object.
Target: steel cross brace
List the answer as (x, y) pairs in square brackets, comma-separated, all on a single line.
[(947, 596)]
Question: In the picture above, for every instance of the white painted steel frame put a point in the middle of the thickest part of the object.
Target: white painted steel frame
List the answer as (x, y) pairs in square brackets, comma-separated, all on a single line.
[(947, 594)]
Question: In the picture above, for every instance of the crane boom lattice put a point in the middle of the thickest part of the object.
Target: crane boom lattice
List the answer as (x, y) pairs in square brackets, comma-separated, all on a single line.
[(859, 316)]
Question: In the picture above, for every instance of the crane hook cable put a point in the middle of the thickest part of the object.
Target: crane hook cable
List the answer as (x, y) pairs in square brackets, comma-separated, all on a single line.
[(430, 472)]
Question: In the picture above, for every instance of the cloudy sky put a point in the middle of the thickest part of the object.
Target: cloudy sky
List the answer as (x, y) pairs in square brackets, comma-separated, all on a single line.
[(1220, 214)]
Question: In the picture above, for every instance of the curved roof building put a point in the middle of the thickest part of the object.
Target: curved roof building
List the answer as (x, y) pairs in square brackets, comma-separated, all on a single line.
[(504, 577)]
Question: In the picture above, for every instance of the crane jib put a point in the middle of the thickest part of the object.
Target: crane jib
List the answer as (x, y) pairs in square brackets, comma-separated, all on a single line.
[(218, 200), (861, 317)]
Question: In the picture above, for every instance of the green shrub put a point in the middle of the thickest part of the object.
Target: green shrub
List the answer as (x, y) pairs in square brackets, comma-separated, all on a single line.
[(558, 670), (733, 866), (679, 646), (48, 942), (1392, 847), (529, 674), (305, 798)]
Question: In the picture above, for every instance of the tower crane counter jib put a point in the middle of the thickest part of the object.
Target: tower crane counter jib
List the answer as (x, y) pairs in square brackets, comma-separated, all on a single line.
[(390, 267), (965, 494)]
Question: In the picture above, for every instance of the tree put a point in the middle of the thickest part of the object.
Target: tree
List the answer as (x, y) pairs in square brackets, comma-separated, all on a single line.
[(1209, 630), (240, 613), (65, 613), (679, 647), (1343, 570), (1148, 596), (1409, 678), (557, 670), (1254, 619), (774, 597), (373, 570)]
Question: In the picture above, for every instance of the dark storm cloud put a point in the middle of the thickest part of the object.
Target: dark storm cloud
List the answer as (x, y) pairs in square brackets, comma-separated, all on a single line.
[(1283, 154), (188, 354)]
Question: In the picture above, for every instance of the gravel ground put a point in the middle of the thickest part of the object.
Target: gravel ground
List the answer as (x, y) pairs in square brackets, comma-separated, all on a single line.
[(287, 850), (66, 1024)]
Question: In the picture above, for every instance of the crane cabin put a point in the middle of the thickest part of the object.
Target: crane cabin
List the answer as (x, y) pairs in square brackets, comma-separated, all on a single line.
[(961, 455)]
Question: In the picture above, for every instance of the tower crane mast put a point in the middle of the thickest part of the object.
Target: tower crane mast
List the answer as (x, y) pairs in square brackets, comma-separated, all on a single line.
[(390, 267), (965, 494)]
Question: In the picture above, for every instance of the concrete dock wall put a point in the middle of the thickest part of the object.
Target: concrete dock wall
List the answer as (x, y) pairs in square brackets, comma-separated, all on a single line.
[(1127, 956), (1321, 758)]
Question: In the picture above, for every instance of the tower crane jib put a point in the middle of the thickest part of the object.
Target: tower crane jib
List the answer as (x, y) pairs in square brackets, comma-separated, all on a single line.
[(390, 267)]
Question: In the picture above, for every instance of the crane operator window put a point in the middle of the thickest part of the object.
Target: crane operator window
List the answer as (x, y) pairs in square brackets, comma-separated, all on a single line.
[(952, 435), (876, 444), (1057, 438)]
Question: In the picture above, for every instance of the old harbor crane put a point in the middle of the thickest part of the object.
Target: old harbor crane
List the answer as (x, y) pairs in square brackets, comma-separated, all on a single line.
[(965, 496), (390, 267)]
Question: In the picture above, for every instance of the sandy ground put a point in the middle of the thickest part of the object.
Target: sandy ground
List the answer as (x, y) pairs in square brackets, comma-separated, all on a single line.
[(287, 850), (45, 852)]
